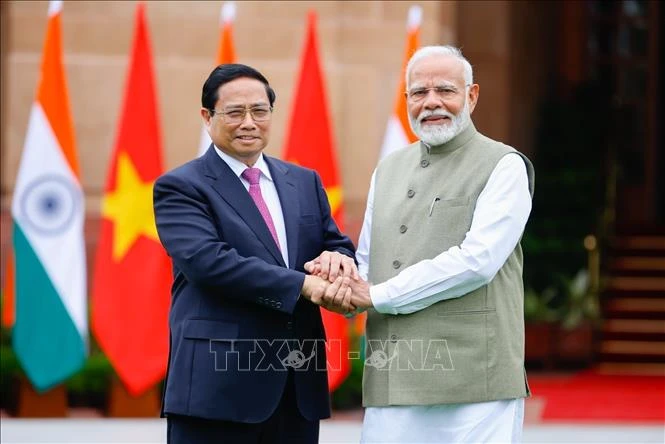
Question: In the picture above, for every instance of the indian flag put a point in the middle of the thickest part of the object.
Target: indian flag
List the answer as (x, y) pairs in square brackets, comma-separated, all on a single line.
[(398, 133), (226, 53), (50, 330)]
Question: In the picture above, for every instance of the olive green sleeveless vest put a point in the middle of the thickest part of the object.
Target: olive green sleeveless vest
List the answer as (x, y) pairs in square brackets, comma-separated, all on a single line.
[(466, 349)]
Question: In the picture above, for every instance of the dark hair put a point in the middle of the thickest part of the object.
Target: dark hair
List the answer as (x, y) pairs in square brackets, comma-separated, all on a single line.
[(226, 73)]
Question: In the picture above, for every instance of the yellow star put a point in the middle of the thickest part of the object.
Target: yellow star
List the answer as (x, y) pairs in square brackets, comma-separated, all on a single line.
[(334, 197), (334, 194), (129, 207)]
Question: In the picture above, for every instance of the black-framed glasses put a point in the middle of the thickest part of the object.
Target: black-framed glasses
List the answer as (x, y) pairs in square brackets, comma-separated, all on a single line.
[(234, 116)]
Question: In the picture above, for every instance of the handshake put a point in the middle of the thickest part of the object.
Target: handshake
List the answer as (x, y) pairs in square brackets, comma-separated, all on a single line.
[(334, 284)]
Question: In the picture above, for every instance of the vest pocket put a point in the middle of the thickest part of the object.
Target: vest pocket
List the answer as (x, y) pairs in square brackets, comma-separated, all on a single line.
[(454, 202)]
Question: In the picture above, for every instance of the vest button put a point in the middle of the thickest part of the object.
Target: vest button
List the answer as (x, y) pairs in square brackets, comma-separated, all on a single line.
[(402, 229), (424, 163), (289, 325), (410, 193), (393, 338), (397, 264)]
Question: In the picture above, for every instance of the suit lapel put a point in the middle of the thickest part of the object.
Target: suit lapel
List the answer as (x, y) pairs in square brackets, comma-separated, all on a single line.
[(229, 187), (288, 197)]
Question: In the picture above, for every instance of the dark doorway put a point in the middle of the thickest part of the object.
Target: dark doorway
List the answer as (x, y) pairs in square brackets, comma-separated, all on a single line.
[(624, 57)]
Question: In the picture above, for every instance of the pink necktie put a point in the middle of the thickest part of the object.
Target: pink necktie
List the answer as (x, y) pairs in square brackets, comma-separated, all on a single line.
[(252, 175)]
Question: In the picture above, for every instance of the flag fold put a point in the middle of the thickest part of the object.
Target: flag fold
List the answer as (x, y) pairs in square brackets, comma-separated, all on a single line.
[(398, 132), (226, 53), (309, 143), (130, 298), (50, 330)]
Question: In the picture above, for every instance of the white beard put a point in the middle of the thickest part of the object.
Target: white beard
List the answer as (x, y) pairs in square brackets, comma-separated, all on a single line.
[(434, 135)]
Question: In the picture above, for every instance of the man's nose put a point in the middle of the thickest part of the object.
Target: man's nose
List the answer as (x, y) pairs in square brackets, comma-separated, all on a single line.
[(248, 121), (432, 100)]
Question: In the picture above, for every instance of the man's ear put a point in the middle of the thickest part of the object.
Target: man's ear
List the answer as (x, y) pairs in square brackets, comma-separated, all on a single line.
[(205, 115), (474, 91)]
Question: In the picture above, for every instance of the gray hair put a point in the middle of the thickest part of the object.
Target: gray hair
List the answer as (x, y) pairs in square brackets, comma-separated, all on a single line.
[(443, 50)]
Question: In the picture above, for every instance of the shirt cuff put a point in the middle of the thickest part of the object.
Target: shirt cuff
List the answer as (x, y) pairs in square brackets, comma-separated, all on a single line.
[(380, 299)]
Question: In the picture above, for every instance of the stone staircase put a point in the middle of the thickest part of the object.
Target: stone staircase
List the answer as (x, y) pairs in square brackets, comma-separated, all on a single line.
[(633, 331)]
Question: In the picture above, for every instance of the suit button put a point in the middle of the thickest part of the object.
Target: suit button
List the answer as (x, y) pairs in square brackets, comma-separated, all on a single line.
[(396, 264), (410, 193), (278, 304), (289, 325), (393, 338), (402, 229), (424, 163)]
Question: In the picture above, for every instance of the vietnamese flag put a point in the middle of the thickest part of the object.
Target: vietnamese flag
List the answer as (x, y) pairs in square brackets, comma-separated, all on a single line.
[(309, 142), (131, 290), (8, 297)]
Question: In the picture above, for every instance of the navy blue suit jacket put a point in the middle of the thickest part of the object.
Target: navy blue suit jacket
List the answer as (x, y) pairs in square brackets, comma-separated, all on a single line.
[(237, 322)]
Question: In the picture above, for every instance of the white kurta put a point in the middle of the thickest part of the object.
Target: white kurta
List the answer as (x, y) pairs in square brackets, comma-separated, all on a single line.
[(501, 213)]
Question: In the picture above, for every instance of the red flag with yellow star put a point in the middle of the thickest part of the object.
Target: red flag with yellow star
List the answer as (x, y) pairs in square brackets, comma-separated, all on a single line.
[(130, 299), (309, 142)]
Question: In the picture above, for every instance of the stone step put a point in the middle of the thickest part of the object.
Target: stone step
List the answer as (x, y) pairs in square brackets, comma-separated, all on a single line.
[(639, 243), (634, 326), (654, 349), (636, 283), (633, 330), (637, 304), (638, 263), (629, 368), (635, 308)]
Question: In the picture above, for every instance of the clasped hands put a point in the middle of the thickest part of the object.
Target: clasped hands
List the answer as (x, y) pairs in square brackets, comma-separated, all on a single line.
[(334, 284)]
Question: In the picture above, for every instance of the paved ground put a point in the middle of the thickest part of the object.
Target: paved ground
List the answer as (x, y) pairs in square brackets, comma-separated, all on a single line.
[(95, 430)]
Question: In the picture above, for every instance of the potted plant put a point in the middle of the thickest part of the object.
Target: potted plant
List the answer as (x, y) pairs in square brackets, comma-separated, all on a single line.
[(575, 342), (539, 327)]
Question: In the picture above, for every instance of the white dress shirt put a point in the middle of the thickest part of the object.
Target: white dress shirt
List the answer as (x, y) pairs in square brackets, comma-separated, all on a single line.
[(269, 193), (499, 218)]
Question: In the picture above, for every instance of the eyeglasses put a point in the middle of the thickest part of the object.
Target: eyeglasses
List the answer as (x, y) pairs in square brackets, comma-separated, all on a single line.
[(444, 92), (237, 115)]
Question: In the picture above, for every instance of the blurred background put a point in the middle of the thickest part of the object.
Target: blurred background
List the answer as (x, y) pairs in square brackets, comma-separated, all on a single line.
[(575, 85)]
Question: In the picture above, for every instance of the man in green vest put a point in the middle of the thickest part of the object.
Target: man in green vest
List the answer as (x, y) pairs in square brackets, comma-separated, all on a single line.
[(440, 254)]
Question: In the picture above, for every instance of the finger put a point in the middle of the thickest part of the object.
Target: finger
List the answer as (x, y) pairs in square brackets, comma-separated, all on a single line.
[(309, 267), (345, 267), (335, 261), (341, 291), (331, 291), (357, 300), (354, 270), (325, 264), (319, 292), (346, 304)]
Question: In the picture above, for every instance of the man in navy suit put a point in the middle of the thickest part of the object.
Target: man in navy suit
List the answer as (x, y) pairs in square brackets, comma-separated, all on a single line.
[(247, 359)]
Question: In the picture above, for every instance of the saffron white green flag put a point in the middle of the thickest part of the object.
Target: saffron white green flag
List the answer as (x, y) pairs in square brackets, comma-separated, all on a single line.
[(226, 53), (398, 132), (50, 333)]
